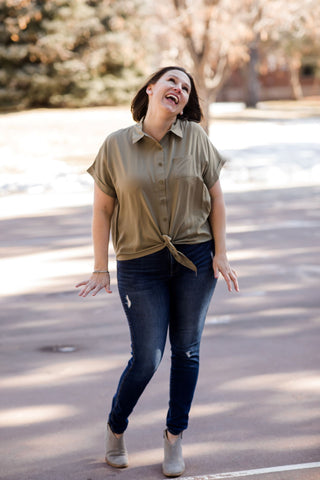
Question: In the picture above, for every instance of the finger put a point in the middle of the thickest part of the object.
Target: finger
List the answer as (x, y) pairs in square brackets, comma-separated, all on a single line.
[(215, 271), (235, 284), (85, 291), (231, 278), (234, 278), (226, 276), (107, 287), (96, 290), (84, 282)]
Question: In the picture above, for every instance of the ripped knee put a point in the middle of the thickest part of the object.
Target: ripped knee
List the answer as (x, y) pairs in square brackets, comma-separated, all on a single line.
[(189, 353)]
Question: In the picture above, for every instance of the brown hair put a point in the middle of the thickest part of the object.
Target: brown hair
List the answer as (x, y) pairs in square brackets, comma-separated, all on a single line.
[(192, 111)]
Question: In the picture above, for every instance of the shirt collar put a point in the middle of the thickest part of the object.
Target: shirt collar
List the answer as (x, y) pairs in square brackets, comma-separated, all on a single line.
[(176, 128), (138, 132)]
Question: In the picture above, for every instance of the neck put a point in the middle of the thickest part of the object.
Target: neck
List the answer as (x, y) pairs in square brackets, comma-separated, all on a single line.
[(157, 125)]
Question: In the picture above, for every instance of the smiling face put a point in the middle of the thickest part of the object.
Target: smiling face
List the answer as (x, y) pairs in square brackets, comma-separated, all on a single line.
[(171, 92)]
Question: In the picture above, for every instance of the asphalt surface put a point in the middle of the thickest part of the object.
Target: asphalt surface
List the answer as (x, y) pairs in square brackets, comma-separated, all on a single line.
[(257, 402)]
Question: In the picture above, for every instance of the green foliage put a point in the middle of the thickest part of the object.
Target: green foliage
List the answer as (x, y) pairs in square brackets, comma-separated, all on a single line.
[(76, 53)]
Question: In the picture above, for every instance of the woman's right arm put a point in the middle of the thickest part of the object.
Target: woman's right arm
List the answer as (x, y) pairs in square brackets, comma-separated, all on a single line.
[(103, 207)]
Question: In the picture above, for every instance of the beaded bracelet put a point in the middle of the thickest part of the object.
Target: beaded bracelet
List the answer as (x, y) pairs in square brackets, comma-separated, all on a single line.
[(101, 271)]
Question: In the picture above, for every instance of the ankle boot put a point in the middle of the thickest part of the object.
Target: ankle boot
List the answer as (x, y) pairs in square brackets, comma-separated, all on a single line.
[(173, 464), (116, 452)]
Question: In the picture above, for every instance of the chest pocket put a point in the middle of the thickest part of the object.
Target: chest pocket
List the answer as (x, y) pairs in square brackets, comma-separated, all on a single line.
[(189, 195), (186, 166)]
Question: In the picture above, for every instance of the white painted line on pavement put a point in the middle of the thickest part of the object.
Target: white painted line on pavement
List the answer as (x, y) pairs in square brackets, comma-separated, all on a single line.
[(259, 471)]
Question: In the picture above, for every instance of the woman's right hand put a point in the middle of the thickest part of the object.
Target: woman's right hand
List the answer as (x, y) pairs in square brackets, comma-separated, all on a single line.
[(96, 282)]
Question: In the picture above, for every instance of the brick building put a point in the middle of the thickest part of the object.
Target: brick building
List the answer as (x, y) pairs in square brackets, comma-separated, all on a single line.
[(273, 85)]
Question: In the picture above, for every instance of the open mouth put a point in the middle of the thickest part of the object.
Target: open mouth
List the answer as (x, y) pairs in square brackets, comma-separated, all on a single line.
[(173, 98)]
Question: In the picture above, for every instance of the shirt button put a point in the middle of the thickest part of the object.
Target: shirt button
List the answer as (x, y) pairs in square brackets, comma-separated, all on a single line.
[(161, 182), (165, 219), (160, 164)]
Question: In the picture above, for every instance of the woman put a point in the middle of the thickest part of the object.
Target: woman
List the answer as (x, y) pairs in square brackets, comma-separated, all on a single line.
[(157, 185)]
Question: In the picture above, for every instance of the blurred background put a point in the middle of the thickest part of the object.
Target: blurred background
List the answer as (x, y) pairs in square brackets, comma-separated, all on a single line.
[(252, 59), (82, 53)]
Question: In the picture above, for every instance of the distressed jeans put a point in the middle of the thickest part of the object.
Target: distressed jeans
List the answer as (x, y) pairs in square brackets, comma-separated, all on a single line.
[(159, 295)]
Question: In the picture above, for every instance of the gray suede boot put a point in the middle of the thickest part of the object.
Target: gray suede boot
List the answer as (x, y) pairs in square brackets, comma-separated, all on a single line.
[(173, 464), (116, 453)]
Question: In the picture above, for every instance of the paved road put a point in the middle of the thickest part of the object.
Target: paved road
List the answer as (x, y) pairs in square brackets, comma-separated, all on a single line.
[(257, 402)]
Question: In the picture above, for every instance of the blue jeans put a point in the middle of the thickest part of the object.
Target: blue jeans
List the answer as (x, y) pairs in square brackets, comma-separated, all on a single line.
[(158, 294)]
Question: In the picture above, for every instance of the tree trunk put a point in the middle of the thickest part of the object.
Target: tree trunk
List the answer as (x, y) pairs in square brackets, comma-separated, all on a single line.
[(294, 67), (204, 98), (252, 85), (206, 115)]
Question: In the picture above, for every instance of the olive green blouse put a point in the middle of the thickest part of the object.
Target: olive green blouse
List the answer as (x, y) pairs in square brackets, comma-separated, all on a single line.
[(161, 188)]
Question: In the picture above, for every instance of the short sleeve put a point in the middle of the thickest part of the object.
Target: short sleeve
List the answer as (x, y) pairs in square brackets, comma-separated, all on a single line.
[(100, 171), (213, 163)]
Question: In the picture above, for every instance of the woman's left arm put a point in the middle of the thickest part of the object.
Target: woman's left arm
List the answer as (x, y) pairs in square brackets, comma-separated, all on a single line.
[(217, 221)]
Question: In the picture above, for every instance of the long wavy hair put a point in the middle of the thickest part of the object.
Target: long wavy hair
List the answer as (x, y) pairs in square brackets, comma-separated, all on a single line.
[(192, 111)]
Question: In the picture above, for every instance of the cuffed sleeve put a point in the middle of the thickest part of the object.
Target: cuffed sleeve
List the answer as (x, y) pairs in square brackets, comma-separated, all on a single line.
[(213, 165), (100, 171)]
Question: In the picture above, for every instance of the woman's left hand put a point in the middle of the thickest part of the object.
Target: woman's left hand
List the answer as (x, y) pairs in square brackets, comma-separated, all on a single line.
[(221, 265)]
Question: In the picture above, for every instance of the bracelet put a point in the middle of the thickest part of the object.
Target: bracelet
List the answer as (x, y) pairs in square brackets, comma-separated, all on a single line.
[(101, 271)]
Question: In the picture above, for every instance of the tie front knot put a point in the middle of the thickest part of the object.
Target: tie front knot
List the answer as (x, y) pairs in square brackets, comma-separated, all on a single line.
[(178, 256), (167, 240)]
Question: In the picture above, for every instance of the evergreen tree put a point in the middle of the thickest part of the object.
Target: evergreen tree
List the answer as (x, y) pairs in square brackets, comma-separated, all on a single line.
[(70, 53)]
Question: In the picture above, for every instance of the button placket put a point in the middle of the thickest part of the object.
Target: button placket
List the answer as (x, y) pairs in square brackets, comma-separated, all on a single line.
[(163, 209)]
